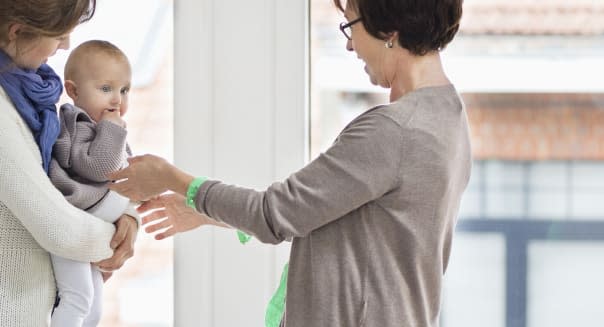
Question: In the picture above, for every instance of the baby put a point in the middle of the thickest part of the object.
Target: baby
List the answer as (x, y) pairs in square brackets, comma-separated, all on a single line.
[(92, 143)]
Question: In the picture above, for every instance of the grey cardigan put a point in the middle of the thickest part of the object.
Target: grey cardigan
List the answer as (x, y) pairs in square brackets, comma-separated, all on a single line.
[(371, 219), (84, 154)]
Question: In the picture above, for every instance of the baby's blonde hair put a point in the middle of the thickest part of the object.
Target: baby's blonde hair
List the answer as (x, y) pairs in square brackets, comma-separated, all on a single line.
[(88, 48)]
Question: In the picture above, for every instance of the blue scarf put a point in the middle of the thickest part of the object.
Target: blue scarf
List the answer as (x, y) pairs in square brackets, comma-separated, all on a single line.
[(34, 93)]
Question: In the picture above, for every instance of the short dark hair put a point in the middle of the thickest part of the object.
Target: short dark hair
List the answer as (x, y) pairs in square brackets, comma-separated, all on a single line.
[(422, 25)]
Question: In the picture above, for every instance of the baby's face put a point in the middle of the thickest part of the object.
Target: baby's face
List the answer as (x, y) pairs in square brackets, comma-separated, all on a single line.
[(104, 86)]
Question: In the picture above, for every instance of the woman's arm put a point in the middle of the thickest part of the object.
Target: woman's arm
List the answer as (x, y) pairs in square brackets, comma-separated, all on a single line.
[(362, 165), (26, 190)]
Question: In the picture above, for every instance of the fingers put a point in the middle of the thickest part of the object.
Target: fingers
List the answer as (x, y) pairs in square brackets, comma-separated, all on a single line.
[(126, 172), (107, 264), (121, 187), (110, 114), (119, 236), (136, 159), (120, 174), (114, 116), (154, 216), (124, 188), (122, 242), (111, 264), (120, 255), (165, 234), (154, 203), (161, 225)]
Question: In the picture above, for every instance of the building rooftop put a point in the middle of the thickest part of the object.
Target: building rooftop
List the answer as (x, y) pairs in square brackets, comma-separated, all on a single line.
[(533, 17)]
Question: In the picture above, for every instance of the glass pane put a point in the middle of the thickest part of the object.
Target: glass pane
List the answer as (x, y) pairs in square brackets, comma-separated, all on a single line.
[(504, 204), (565, 284), (588, 176), (471, 206), (587, 190), (587, 205), (504, 175), (476, 178), (548, 175), (548, 205), (474, 290)]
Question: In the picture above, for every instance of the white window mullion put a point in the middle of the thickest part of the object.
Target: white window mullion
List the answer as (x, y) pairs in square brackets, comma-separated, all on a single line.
[(241, 116)]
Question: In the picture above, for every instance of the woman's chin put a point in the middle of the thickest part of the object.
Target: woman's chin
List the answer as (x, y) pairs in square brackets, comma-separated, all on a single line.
[(373, 81), (372, 78)]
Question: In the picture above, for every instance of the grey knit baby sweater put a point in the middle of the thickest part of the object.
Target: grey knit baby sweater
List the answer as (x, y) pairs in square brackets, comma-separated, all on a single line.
[(84, 154), (371, 219)]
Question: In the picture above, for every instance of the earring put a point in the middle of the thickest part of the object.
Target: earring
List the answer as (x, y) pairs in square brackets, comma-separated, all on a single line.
[(389, 44)]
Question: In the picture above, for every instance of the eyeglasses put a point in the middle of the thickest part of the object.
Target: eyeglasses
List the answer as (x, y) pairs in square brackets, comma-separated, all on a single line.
[(346, 28)]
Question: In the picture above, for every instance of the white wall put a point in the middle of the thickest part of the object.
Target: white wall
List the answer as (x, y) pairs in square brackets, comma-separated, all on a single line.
[(241, 76)]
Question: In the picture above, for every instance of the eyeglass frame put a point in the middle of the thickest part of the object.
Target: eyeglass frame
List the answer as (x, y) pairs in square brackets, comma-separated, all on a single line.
[(344, 26)]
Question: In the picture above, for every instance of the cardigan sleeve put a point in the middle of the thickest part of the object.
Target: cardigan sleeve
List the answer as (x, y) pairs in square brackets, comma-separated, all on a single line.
[(27, 192), (361, 166), (98, 150)]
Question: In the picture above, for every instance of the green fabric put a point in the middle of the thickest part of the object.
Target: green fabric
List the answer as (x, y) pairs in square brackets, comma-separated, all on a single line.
[(243, 237), (276, 306)]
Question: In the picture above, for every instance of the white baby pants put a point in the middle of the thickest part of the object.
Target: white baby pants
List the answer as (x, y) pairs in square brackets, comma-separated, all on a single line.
[(80, 284)]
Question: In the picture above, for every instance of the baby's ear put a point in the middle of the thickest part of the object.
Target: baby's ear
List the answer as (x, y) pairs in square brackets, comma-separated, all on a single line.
[(71, 89)]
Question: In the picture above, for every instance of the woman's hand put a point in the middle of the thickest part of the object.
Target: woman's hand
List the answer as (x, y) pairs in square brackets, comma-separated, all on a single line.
[(145, 177), (172, 215), (122, 243)]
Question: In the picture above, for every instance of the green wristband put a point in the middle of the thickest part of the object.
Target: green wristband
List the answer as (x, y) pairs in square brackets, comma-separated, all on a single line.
[(193, 189)]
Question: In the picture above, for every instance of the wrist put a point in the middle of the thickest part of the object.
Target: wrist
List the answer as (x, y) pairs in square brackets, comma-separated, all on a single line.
[(132, 213), (193, 189), (180, 182)]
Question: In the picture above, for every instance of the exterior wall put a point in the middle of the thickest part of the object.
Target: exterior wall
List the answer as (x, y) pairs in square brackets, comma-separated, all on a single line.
[(537, 126)]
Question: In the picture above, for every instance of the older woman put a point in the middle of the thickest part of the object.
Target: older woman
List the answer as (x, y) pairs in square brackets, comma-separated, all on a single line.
[(35, 219), (371, 219)]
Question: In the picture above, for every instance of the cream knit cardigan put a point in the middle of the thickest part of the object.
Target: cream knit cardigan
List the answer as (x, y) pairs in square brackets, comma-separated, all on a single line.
[(35, 219)]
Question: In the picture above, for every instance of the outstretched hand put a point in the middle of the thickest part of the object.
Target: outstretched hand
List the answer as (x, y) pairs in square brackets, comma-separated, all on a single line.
[(145, 177), (169, 213)]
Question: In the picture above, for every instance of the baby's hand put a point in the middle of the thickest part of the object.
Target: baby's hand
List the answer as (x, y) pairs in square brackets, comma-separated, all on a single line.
[(113, 115)]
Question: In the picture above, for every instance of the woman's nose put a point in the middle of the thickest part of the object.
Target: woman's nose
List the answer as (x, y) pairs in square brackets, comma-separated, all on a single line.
[(349, 45)]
